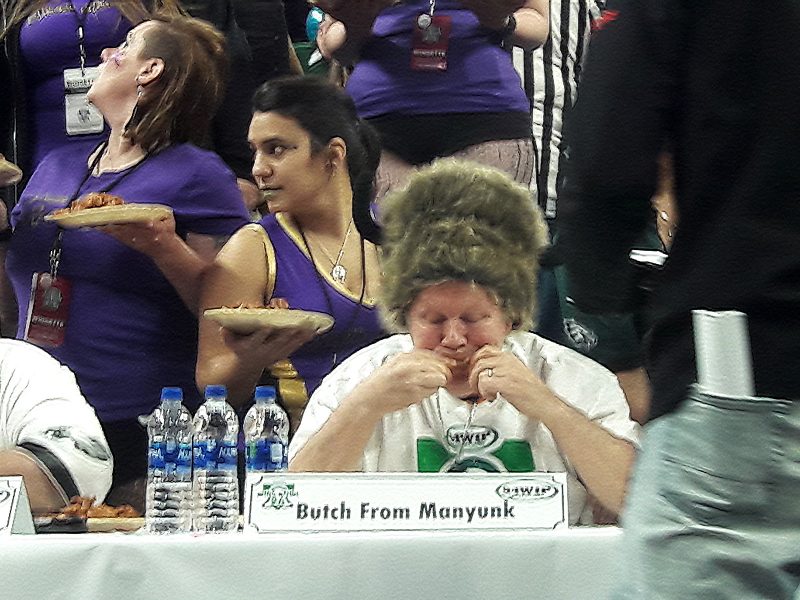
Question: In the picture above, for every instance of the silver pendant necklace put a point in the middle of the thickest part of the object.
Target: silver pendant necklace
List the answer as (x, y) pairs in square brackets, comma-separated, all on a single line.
[(467, 425), (470, 418), (347, 329), (338, 271)]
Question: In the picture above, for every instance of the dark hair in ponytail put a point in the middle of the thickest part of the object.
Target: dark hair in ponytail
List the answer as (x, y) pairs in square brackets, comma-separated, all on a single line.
[(325, 111)]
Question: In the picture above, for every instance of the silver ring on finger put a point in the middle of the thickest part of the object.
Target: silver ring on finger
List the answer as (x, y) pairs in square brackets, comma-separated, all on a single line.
[(489, 372)]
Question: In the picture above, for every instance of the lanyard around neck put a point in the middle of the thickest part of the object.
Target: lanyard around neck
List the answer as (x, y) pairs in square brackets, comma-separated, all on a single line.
[(101, 149), (80, 17), (55, 250), (346, 331)]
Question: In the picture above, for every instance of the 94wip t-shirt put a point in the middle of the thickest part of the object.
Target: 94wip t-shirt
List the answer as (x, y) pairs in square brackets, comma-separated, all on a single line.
[(432, 436)]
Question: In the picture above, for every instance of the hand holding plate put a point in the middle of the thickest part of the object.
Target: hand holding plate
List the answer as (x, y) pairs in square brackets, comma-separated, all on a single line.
[(268, 344), (146, 237)]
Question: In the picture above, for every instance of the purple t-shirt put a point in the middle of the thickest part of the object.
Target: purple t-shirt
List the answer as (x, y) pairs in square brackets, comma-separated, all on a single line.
[(480, 76), (48, 45), (128, 333), (303, 286)]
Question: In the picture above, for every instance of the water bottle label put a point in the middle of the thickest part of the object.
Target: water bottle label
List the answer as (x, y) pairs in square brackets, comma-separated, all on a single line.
[(276, 453), (170, 449), (210, 455), (184, 455), (199, 456), (227, 456), (155, 456), (266, 455), (251, 456), (257, 455), (183, 461)]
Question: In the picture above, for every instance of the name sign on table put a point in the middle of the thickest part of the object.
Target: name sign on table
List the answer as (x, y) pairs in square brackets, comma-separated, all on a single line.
[(412, 501), (15, 512)]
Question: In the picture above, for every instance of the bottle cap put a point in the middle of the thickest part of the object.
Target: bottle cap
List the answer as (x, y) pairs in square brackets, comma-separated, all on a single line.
[(172, 393), (265, 393), (216, 392)]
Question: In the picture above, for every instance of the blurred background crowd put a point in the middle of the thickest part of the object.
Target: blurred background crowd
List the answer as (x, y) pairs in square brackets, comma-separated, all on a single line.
[(497, 94), (477, 191)]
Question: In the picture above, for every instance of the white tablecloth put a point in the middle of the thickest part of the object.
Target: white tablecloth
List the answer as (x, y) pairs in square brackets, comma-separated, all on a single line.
[(571, 564)]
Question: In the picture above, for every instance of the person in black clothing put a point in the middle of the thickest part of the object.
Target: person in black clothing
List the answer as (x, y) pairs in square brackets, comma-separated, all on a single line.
[(714, 509), (229, 128), (264, 23), (296, 12)]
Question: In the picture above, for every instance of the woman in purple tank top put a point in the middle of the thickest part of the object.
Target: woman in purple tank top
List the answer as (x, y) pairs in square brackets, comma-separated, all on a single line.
[(436, 78), (311, 153)]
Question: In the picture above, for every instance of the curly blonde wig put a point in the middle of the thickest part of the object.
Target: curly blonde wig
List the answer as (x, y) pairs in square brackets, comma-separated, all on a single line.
[(457, 220)]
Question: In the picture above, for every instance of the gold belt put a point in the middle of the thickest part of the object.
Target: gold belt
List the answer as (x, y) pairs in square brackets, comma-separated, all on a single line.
[(292, 391)]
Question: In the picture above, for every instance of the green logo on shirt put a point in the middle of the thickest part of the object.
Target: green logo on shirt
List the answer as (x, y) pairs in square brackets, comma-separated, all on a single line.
[(513, 456)]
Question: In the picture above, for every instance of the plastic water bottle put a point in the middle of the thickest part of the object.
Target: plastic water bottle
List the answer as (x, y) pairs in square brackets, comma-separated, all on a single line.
[(266, 431), (169, 465), (216, 486)]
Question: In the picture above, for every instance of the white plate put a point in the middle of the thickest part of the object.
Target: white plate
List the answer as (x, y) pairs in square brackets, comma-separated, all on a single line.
[(248, 320), (111, 215), (9, 173), (104, 524)]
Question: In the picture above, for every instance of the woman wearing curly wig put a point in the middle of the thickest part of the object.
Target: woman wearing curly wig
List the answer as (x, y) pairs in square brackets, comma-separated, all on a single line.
[(460, 262)]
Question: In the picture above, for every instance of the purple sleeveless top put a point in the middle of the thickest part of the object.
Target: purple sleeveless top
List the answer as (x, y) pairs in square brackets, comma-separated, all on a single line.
[(480, 76), (48, 45), (304, 287)]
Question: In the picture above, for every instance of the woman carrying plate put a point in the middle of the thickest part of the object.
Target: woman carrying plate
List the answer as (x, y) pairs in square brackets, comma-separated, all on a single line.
[(311, 152), (117, 304), (49, 54)]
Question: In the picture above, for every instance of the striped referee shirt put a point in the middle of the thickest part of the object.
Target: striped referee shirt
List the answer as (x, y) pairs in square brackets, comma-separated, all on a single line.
[(550, 76)]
